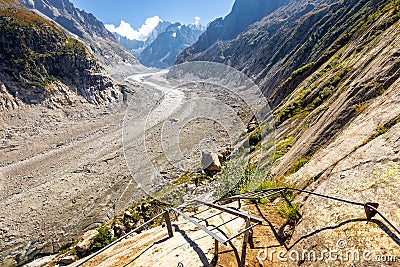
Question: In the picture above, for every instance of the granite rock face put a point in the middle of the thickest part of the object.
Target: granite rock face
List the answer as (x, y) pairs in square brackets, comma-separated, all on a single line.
[(331, 72), (40, 62), (357, 166), (243, 14)]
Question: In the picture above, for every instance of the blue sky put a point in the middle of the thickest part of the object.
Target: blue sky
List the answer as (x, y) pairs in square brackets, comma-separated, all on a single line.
[(135, 12)]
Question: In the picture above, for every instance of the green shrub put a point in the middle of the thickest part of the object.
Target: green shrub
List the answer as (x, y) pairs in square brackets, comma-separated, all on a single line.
[(102, 239), (270, 183), (255, 139), (303, 69), (283, 147), (360, 107), (289, 212), (240, 177), (298, 164)]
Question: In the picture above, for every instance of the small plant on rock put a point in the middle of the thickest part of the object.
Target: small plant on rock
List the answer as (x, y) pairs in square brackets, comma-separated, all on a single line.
[(102, 239), (289, 212)]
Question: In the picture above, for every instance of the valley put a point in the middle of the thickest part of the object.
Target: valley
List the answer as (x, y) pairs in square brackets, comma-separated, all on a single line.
[(65, 172), (69, 167)]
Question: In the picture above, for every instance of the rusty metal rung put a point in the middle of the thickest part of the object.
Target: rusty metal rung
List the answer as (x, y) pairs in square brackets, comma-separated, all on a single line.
[(205, 219), (238, 234), (253, 195), (216, 227), (205, 229), (232, 211)]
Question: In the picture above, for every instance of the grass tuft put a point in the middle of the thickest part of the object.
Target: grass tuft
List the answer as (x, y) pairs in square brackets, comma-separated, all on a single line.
[(290, 213)]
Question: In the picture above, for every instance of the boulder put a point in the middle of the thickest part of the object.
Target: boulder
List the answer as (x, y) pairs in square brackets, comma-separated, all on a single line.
[(119, 229), (67, 259), (84, 245), (252, 127), (286, 232), (210, 161)]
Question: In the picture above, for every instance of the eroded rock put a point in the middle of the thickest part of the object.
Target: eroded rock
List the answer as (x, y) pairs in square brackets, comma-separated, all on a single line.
[(67, 259), (210, 162), (84, 245)]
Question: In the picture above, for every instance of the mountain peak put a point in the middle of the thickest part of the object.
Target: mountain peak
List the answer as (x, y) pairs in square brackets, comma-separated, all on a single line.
[(163, 51), (163, 44)]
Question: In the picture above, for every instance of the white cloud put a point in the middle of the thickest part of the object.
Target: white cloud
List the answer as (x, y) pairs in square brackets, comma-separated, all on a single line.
[(125, 29), (197, 21)]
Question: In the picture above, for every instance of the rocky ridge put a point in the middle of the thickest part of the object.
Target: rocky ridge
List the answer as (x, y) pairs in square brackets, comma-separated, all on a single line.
[(266, 54), (87, 28), (221, 30), (164, 44), (40, 62)]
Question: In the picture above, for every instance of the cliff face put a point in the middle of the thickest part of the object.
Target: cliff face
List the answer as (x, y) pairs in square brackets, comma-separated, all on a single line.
[(300, 33), (288, 52), (39, 63), (331, 71), (244, 13), (84, 25), (344, 121), (333, 89)]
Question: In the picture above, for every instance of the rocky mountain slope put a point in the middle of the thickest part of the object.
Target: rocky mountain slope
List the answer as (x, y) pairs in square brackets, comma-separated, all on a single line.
[(302, 42), (331, 71), (243, 14), (341, 123), (163, 51), (40, 63), (85, 26), (300, 33)]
